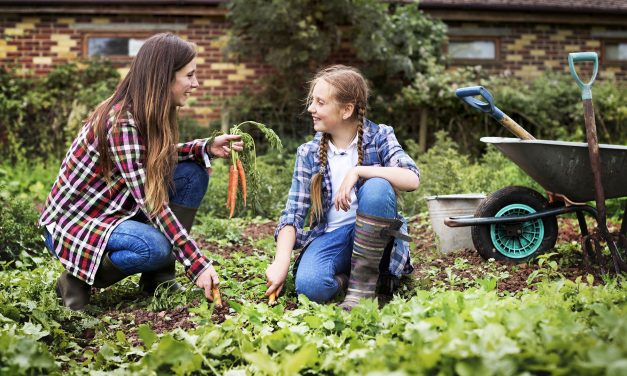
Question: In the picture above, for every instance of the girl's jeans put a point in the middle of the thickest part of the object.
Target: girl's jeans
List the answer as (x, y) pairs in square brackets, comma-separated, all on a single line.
[(330, 253), (135, 246)]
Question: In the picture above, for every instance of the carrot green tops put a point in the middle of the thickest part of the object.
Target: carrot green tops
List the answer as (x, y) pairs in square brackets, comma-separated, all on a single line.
[(84, 210)]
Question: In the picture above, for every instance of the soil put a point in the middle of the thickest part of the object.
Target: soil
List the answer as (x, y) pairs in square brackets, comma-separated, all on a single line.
[(430, 268), (252, 232)]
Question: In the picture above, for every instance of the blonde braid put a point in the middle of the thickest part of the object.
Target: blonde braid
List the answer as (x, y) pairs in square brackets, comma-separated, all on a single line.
[(360, 134), (316, 182)]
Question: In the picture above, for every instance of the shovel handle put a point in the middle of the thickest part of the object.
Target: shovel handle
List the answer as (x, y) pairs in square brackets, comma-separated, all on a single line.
[(467, 94), (575, 57)]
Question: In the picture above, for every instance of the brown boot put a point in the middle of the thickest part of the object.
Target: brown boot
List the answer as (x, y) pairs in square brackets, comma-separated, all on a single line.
[(74, 293), (372, 235), (149, 281)]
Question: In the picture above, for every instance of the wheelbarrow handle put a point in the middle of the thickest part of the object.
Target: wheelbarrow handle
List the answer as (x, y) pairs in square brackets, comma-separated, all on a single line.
[(467, 94), (575, 57)]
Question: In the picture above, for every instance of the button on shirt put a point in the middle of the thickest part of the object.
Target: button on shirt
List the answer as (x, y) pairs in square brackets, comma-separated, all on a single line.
[(340, 163)]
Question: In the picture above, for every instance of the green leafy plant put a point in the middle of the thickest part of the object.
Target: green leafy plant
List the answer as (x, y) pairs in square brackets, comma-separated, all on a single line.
[(548, 268)]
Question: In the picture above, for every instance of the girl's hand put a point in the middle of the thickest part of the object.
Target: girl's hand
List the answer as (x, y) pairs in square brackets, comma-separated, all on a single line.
[(276, 275), (208, 280), (343, 197), (221, 146)]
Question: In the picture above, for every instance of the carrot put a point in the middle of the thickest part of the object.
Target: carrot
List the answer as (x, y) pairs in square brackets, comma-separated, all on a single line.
[(242, 179), (217, 299), (272, 299), (232, 194)]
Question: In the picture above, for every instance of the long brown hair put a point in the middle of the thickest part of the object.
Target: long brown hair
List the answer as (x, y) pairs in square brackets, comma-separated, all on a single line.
[(350, 87), (145, 92)]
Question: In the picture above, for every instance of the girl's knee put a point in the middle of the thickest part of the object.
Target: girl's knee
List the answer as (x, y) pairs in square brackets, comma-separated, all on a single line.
[(315, 288), (377, 197)]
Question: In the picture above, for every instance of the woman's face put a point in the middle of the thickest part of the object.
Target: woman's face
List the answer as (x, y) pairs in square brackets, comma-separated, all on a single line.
[(324, 110), (184, 82)]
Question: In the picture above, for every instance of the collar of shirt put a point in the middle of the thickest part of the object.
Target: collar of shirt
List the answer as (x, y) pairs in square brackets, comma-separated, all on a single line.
[(333, 150)]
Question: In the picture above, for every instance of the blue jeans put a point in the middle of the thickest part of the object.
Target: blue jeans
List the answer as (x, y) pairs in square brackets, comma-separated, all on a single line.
[(330, 253), (135, 246)]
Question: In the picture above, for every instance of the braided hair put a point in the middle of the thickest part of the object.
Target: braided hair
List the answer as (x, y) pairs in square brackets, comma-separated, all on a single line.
[(350, 88)]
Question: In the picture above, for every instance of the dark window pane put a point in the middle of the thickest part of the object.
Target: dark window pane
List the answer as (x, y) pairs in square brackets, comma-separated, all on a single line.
[(108, 46)]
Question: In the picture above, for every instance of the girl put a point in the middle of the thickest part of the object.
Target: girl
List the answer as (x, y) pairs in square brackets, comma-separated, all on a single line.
[(121, 204), (346, 178)]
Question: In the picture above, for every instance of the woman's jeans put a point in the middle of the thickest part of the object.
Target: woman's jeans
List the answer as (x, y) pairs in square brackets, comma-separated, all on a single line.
[(135, 246), (330, 254)]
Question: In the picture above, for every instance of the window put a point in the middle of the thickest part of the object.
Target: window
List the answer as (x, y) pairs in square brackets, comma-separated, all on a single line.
[(480, 49), (113, 46), (463, 49), (615, 52)]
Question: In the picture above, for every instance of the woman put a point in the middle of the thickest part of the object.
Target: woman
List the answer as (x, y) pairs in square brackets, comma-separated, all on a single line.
[(346, 181), (127, 192)]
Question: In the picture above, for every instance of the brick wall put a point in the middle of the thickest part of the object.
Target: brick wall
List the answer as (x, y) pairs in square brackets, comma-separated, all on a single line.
[(528, 50), (35, 44)]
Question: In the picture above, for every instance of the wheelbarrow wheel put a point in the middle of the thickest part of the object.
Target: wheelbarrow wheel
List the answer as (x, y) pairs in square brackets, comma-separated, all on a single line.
[(516, 241)]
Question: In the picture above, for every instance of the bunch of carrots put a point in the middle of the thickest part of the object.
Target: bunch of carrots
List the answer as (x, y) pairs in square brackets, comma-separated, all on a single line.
[(236, 173), (238, 176)]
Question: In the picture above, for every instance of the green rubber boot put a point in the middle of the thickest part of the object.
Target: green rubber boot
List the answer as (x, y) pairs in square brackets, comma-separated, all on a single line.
[(74, 293), (108, 274)]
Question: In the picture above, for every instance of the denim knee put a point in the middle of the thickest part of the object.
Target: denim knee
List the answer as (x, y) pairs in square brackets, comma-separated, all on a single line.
[(160, 250), (190, 184), (316, 288), (377, 197)]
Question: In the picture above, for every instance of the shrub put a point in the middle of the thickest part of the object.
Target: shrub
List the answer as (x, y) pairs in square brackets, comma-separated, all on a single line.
[(20, 238), (42, 114)]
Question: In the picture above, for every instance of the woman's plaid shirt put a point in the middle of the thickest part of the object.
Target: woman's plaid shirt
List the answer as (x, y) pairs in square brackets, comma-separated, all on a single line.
[(380, 148), (85, 210)]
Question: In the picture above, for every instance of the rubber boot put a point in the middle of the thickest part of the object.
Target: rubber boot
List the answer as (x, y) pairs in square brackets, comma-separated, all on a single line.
[(108, 274), (372, 235), (149, 281), (74, 293)]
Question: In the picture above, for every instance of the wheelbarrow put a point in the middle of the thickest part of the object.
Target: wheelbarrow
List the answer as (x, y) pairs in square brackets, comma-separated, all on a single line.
[(518, 223)]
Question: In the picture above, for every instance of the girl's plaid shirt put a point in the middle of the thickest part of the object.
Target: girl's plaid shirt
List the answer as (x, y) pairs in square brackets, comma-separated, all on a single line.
[(85, 210), (380, 148)]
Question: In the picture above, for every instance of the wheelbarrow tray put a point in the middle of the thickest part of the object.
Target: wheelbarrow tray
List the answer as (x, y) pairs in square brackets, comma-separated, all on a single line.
[(564, 167)]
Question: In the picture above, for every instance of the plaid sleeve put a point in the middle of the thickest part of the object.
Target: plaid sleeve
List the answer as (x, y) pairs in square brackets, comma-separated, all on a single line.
[(392, 154), (196, 150), (128, 153), (298, 199)]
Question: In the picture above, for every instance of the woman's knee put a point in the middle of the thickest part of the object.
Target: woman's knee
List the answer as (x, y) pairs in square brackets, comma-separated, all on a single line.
[(160, 250), (377, 197), (190, 184)]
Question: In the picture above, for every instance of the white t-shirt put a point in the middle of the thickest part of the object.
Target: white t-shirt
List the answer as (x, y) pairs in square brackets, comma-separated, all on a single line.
[(340, 163)]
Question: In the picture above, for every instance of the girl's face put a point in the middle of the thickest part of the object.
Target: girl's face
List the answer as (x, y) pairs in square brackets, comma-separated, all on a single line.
[(184, 82), (327, 114)]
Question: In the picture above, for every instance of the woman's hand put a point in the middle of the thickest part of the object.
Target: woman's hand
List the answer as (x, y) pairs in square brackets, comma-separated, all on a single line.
[(276, 275), (343, 197), (221, 146), (208, 280)]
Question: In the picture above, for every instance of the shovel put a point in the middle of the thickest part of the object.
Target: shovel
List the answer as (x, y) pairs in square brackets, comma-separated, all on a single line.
[(593, 148), (467, 94)]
